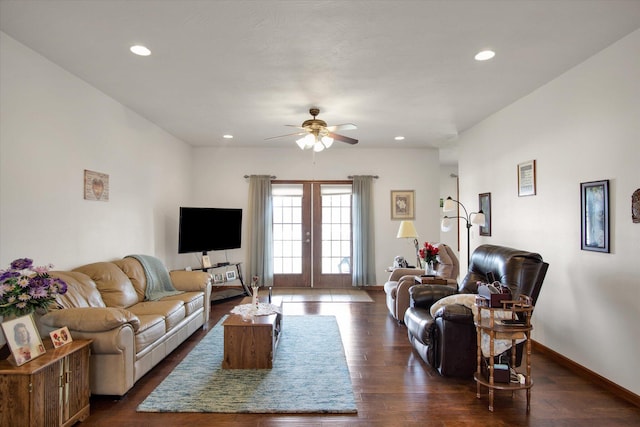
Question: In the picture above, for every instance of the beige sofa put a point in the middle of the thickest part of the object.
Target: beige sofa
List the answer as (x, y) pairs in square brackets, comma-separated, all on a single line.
[(401, 279), (105, 302)]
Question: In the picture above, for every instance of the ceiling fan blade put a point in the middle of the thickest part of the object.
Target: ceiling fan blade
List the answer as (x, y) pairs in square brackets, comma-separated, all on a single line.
[(343, 138), (283, 136), (344, 126)]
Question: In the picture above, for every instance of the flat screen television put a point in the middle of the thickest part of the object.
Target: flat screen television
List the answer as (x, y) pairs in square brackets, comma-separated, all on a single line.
[(209, 229)]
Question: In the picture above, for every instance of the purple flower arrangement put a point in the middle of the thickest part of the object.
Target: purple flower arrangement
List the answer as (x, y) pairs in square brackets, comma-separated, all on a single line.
[(25, 288)]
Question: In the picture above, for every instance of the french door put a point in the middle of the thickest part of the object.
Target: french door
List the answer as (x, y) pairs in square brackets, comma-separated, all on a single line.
[(312, 234)]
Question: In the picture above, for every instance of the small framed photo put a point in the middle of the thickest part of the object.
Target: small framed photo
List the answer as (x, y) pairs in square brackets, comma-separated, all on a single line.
[(594, 216), (96, 186), (527, 178), (402, 204), (231, 275), (60, 337), (23, 339), (485, 206), (218, 278)]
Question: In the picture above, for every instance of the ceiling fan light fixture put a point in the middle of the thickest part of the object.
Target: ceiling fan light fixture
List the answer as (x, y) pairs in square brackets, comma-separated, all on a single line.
[(302, 143), (327, 141), (318, 147)]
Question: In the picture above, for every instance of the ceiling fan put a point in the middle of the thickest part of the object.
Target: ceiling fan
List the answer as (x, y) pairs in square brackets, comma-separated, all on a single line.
[(318, 135)]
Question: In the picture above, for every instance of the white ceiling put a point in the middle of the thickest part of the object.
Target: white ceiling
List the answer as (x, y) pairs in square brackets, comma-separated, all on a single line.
[(250, 67)]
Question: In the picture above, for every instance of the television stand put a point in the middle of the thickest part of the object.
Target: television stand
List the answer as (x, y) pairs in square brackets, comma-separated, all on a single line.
[(230, 292)]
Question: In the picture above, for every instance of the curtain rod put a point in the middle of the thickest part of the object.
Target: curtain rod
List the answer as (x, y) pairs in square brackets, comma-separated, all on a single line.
[(272, 176), (374, 176)]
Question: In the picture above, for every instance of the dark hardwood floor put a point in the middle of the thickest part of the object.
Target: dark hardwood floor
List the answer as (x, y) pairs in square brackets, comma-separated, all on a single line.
[(393, 387)]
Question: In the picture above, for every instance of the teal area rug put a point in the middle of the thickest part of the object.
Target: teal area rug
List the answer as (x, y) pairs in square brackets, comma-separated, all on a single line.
[(309, 375)]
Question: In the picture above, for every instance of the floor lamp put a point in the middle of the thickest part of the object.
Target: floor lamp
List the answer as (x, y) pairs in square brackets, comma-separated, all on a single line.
[(408, 231), (478, 219)]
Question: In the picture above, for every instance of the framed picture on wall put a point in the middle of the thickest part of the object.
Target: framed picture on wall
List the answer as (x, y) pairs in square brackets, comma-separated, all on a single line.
[(527, 178), (402, 204), (484, 200), (96, 186), (594, 216)]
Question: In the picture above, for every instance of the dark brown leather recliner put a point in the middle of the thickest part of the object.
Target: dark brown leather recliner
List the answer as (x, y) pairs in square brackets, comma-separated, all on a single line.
[(447, 341)]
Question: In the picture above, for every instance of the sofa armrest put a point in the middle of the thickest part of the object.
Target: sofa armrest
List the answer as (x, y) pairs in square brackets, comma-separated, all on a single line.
[(190, 280), (90, 319), (399, 272), (424, 296), (455, 313)]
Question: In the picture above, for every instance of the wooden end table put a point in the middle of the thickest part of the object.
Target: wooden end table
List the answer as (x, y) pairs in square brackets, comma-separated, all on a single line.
[(252, 343)]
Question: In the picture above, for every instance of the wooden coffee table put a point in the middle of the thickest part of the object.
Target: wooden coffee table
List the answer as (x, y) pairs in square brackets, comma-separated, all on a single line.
[(251, 344)]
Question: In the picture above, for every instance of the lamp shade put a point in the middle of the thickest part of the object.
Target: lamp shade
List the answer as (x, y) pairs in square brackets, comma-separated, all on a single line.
[(407, 230), (445, 225), (479, 219), (449, 205)]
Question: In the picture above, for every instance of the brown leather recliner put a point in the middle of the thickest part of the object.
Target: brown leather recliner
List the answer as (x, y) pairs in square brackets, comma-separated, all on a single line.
[(447, 341)]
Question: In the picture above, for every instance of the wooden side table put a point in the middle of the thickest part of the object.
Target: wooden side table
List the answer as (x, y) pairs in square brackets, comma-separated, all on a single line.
[(431, 280), (520, 310), (51, 390)]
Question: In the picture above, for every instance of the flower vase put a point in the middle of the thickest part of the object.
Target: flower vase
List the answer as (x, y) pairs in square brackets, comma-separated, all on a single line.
[(430, 268), (254, 296)]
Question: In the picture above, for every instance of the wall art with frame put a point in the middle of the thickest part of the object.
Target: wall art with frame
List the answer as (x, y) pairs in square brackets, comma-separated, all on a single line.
[(594, 216), (96, 186), (527, 178), (402, 204), (484, 200)]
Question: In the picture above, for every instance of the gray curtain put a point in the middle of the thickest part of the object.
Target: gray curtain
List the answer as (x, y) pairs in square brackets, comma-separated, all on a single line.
[(363, 265), (260, 220)]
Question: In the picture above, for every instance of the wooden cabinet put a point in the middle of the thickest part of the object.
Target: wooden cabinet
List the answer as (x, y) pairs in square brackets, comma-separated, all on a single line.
[(52, 390)]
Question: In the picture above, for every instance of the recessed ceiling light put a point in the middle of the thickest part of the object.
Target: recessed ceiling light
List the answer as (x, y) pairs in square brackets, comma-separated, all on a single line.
[(484, 55), (140, 50), (227, 136), (399, 138)]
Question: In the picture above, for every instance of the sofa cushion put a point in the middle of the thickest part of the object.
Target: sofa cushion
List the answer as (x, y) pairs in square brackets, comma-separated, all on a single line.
[(81, 291), (134, 271), (193, 301), (152, 328), (171, 311), (114, 286)]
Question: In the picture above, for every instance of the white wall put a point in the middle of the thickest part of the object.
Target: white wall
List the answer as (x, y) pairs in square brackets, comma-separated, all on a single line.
[(583, 126), (219, 182), (54, 126)]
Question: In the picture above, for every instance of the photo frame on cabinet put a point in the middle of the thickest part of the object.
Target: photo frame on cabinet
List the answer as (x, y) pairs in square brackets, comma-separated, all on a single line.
[(527, 178), (23, 338), (402, 204), (218, 278), (231, 275), (484, 200), (594, 216), (60, 337)]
